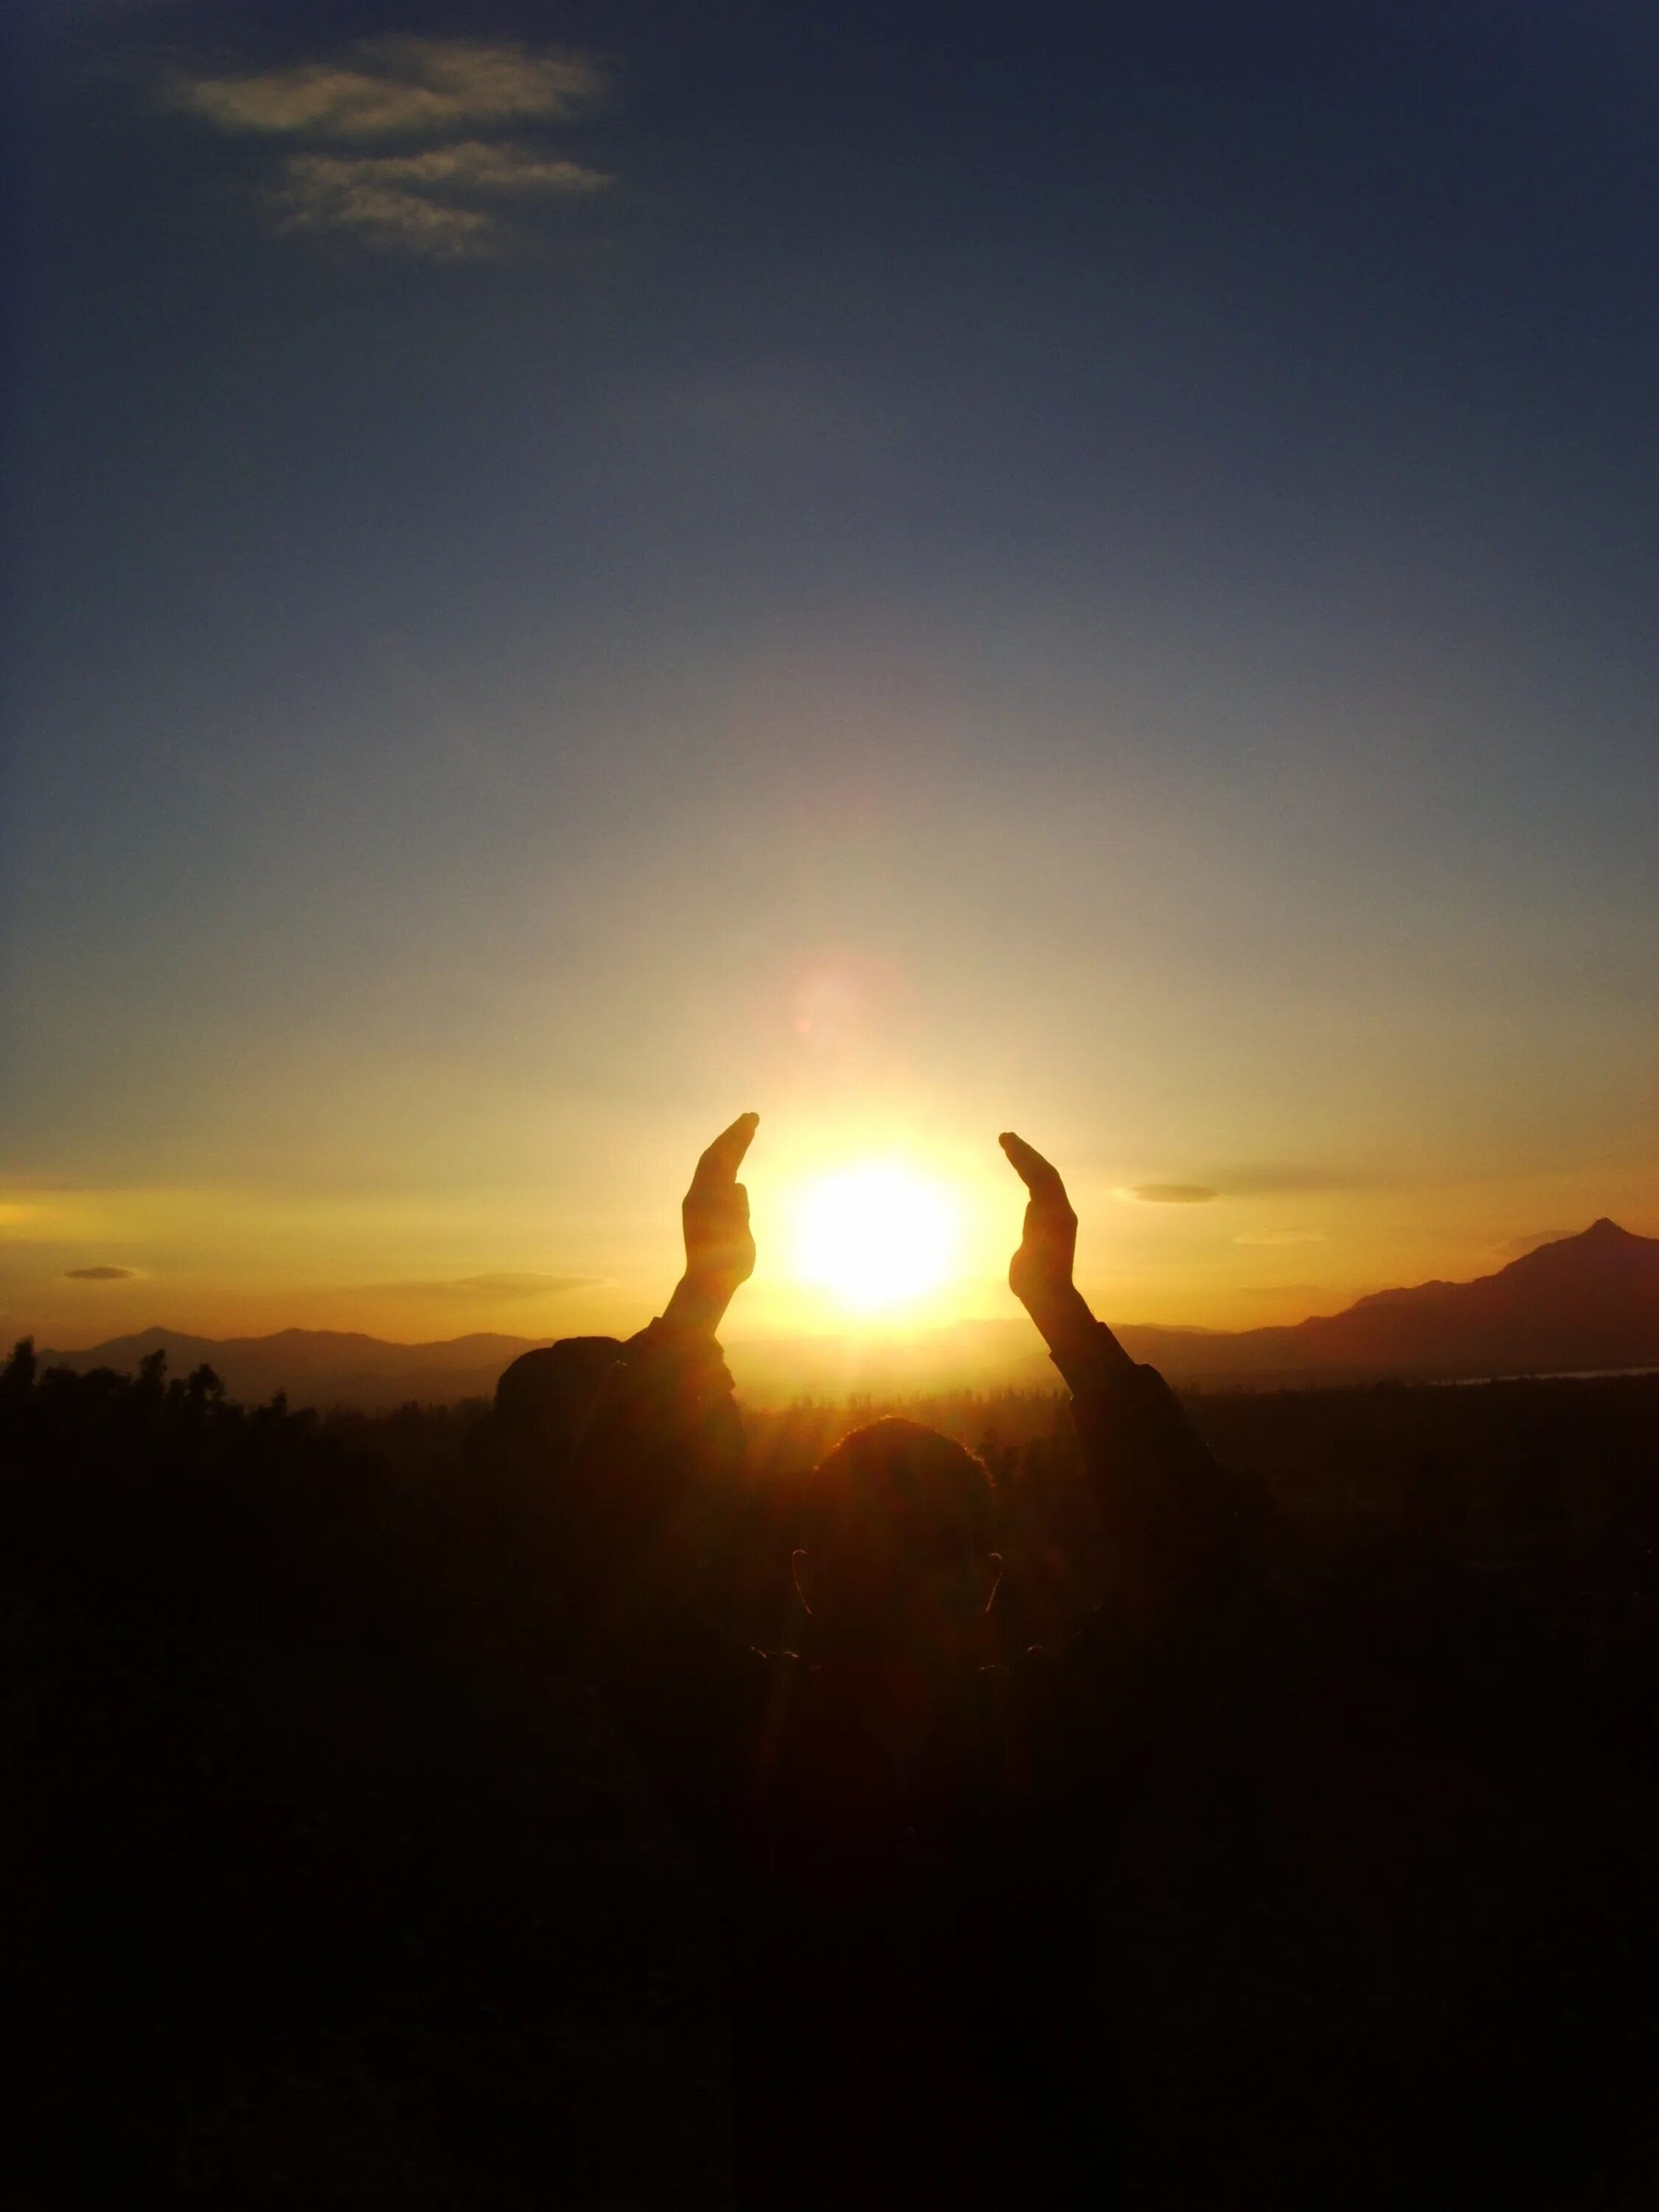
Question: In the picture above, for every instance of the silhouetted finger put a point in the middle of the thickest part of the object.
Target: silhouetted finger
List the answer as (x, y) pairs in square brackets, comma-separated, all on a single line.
[(721, 1161), (1040, 1176)]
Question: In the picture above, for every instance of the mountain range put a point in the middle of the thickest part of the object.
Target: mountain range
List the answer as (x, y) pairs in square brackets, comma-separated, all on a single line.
[(1579, 1304), (319, 1366), (1576, 1305)]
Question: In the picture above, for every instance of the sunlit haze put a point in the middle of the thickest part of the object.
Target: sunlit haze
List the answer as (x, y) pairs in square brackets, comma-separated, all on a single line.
[(1099, 583)]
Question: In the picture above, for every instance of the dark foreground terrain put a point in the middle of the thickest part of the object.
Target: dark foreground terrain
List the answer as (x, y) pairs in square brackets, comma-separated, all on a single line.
[(327, 1887)]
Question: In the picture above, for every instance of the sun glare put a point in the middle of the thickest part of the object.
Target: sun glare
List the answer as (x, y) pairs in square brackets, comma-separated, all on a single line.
[(875, 1235)]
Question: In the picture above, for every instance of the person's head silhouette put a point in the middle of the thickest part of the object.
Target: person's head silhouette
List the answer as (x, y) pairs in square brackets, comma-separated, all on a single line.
[(898, 1563)]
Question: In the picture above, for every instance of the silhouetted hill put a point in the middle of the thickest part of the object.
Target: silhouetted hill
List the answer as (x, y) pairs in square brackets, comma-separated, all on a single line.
[(1583, 1303), (319, 1366)]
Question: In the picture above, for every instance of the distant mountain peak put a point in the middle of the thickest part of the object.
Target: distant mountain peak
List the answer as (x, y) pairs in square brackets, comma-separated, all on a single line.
[(1599, 1242)]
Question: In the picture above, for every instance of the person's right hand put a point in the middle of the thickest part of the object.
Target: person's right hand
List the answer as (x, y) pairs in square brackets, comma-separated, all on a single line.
[(719, 1248)]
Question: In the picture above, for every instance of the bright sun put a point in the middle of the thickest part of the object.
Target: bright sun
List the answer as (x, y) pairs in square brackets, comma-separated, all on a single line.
[(874, 1234)]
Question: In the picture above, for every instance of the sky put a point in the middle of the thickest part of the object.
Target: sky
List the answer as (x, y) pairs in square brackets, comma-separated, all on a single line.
[(574, 571)]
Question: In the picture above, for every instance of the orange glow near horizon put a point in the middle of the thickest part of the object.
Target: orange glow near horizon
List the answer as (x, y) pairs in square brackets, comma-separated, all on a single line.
[(875, 1221)]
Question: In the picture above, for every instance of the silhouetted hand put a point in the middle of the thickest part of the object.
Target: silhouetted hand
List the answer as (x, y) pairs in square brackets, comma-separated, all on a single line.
[(719, 1250), (1040, 1273)]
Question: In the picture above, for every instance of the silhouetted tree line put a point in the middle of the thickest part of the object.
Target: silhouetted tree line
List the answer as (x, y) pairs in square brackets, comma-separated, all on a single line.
[(415, 1524), (166, 1495), (418, 1525)]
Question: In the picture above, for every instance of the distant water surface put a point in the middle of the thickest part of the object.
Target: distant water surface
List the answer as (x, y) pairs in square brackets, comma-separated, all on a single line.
[(1553, 1375)]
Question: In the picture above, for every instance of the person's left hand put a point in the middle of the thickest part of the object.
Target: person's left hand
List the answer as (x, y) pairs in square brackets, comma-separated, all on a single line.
[(719, 1248), (1040, 1273)]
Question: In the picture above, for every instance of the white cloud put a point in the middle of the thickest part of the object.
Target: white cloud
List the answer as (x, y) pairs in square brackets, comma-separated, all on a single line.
[(399, 87)]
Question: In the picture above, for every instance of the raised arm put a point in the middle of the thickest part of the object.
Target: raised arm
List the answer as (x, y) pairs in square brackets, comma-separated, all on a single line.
[(636, 1442), (1173, 1520), (666, 1429)]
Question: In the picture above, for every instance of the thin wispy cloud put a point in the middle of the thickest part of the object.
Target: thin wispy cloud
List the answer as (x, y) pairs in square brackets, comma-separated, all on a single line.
[(399, 87), (393, 221), (1270, 1181), (473, 164), (441, 202), (417, 201), (100, 1274)]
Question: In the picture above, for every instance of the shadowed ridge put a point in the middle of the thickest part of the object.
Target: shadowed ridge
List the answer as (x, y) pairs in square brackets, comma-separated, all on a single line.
[(319, 1366), (1603, 1243), (1576, 1304), (1603, 1238)]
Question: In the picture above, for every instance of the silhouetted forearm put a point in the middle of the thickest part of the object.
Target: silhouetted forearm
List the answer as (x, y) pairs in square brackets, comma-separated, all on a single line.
[(1173, 1520), (664, 1445)]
